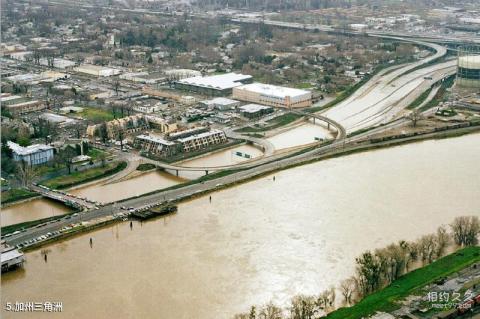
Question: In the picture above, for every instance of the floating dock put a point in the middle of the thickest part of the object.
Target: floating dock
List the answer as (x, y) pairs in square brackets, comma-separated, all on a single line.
[(156, 211), (11, 258)]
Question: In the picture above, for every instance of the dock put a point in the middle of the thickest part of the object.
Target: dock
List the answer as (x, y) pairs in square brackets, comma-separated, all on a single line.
[(160, 210), (11, 259)]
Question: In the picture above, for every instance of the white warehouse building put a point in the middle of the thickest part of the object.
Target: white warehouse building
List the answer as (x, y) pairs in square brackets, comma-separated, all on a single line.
[(96, 70), (32, 155), (272, 95)]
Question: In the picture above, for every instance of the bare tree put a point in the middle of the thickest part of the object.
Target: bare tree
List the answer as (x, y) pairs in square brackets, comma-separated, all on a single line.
[(326, 299), (443, 240), (304, 307), (25, 173), (415, 116), (347, 288), (427, 246), (466, 230), (270, 311)]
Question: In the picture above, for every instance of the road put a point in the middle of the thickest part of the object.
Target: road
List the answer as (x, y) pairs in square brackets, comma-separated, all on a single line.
[(348, 144), (268, 156)]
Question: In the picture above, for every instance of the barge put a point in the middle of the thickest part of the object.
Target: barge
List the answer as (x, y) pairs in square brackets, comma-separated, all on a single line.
[(160, 210)]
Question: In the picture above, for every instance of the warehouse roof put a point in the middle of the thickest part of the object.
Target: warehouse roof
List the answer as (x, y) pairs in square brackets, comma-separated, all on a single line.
[(218, 82), (220, 101), (252, 108), (32, 149), (273, 90), (10, 254)]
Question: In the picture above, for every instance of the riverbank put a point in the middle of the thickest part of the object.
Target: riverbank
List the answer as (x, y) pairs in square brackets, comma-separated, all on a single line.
[(347, 150), (269, 168), (25, 225), (86, 176), (231, 243), (16, 195), (388, 298)]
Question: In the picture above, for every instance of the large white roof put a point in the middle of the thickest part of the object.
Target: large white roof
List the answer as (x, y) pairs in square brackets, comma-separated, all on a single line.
[(10, 254), (35, 148), (273, 90), (218, 82), (220, 101), (252, 108)]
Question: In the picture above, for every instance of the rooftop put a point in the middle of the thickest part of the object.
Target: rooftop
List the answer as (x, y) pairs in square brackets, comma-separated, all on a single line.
[(273, 90), (252, 108), (201, 135), (220, 101), (155, 139), (219, 82), (32, 149), (10, 254)]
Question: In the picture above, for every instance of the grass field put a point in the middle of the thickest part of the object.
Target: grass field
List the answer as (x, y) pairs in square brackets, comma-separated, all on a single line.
[(96, 115), (419, 100), (95, 153), (84, 176), (15, 194), (411, 283), (146, 167)]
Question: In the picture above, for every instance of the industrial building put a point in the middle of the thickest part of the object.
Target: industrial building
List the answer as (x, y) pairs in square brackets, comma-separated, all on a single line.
[(254, 110), (32, 155), (468, 68), (272, 95), (96, 70), (57, 63), (143, 77), (17, 104), (178, 74), (221, 104), (215, 85)]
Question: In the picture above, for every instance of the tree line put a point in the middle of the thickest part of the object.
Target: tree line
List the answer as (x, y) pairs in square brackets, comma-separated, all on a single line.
[(375, 270)]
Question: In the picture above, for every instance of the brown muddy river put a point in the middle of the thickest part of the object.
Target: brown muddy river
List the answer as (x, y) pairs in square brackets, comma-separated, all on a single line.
[(260, 241), (32, 210)]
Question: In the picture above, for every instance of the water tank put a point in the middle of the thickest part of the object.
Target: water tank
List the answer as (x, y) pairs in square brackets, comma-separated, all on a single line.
[(468, 67)]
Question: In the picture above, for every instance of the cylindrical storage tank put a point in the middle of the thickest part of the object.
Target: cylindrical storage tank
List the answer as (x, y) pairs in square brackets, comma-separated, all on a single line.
[(468, 67)]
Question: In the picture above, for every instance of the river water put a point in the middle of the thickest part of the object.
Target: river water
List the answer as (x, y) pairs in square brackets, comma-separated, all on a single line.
[(134, 186), (304, 134), (32, 210), (259, 241)]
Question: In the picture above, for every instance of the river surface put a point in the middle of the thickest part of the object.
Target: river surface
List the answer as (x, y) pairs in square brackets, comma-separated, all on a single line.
[(300, 135), (32, 210), (134, 186), (259, 241), (220, 158)]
